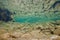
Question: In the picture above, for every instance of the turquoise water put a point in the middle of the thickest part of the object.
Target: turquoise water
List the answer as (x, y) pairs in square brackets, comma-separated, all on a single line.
[(34, 19)]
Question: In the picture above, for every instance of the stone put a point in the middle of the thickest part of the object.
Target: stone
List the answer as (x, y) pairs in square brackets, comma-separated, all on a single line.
[(57, 32), (5, 36), (26, 35), (16, 34), (55, 37)]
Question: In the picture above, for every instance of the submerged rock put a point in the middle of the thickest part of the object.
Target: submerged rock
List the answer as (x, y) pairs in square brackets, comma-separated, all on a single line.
[(33, 11)]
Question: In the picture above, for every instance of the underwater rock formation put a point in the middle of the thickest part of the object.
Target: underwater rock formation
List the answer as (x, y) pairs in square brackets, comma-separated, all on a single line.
[(29, 10)]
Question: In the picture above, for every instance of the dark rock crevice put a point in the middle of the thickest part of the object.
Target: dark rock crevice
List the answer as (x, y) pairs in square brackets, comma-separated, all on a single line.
[(5, 15), (55, 4)]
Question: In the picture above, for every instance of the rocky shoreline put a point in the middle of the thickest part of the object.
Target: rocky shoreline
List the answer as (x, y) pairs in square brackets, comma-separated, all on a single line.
[(17, 31)]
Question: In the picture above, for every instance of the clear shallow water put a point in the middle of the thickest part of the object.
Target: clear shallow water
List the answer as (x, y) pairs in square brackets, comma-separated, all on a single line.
[(35, 19)]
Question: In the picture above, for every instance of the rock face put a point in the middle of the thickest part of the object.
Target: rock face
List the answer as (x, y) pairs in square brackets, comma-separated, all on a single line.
[(29, 10), (5, 15)]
